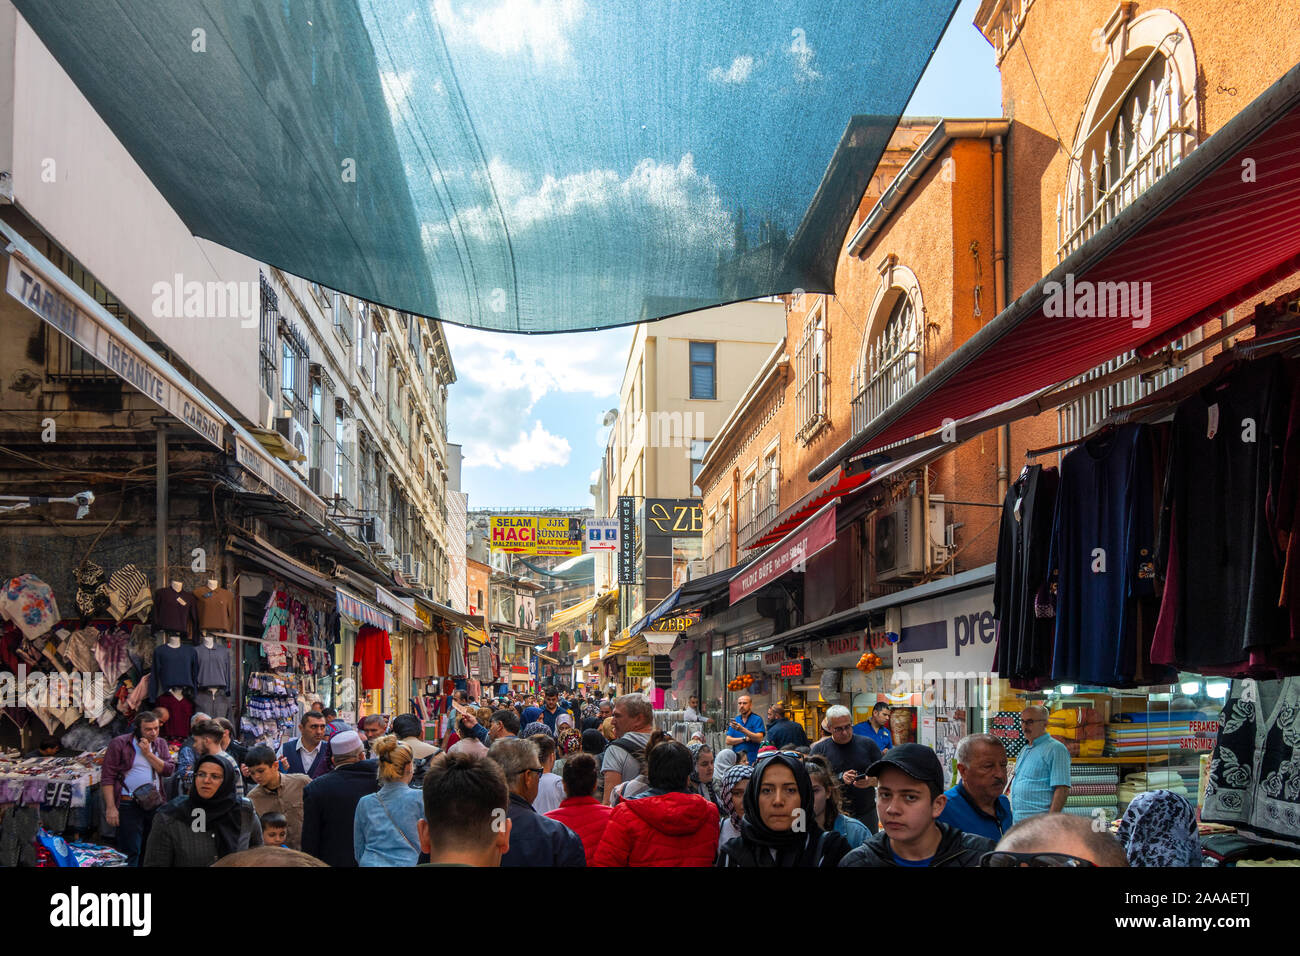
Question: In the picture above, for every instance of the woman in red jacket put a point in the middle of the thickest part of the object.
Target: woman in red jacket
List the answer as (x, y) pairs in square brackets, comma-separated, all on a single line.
[(580, 811), (665, 825)]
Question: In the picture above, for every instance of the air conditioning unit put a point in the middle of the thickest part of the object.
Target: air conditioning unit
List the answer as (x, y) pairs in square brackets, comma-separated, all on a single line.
[(321, 481), (385, 546), (298, 436), (373, 530), (900, 538), (408, 563), (416, 577)]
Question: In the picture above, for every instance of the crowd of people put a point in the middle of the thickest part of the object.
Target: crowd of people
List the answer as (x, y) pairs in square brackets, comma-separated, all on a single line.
[(560, 779)]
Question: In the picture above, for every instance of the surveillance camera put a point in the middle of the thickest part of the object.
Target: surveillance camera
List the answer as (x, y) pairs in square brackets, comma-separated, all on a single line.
[(83, 499)]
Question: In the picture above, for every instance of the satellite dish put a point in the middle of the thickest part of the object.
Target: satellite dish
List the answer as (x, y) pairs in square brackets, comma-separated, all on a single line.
[(610, 417)]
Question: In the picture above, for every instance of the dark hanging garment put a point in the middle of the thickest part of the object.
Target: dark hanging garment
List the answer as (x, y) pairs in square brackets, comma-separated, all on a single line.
[(1024, 649), (1225, 466), (1102, 551)]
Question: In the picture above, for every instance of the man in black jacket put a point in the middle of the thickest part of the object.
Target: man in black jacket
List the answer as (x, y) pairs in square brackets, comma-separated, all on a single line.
[(329, 803), (909, 800), (535, 839)]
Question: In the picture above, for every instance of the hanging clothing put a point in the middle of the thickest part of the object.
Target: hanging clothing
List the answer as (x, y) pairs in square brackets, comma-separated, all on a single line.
[(1103, 554), (457, 666), (1024, 640), (216, 609), (213, 668), (174, 667), (180, 711), (176, 611), (1224, 466), (1253, 781), (372, 652), (29, 603)]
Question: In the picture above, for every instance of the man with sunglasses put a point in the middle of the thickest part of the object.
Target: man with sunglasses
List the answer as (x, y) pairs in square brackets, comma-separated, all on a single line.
[(849, 756), (1056, 839), (1041, 783), (535, 840)]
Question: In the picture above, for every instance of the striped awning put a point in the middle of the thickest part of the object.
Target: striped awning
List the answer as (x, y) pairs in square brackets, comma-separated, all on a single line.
[(404, 609), (359, 610)]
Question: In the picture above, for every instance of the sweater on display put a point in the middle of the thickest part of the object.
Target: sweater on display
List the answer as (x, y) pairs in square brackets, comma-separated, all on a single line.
[(174, 667), (213, 667)]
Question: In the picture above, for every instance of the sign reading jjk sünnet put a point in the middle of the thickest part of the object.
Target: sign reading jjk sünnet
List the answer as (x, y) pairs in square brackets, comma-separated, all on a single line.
[(38, 293)]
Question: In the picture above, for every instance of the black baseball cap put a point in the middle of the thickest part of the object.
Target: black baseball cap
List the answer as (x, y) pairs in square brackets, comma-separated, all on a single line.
[(916, 760)]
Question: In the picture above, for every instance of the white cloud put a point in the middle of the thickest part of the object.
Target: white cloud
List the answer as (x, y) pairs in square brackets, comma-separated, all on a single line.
[(679, 196), (594, 477), (525, 451), (738, 72), (581, 362), (511, 26)]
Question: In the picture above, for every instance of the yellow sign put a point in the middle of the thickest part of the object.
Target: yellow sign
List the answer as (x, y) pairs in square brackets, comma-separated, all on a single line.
[(640, 668), (533, 534), (516, 534)]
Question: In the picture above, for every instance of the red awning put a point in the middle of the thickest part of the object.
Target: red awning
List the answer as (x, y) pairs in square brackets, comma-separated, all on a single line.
[(813, 536), (1203, 236), (834, 487)]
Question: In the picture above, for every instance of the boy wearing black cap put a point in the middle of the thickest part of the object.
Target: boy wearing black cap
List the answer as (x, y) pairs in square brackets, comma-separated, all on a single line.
[(909, 799)]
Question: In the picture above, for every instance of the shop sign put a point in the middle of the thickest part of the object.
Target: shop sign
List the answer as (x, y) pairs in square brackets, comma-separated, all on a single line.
[(844, 651), (255, 460), (602, 534), (674, 625), (811, 537), (674, 518), (626, 540), (949, 637), (798, 668), (142, 371), (640, 667)]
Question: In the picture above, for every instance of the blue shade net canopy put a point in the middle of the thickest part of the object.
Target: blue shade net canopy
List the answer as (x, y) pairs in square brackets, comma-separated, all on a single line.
[(517, 165)]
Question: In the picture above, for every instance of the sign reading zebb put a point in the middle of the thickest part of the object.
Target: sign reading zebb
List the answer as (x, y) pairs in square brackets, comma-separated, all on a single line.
[(674, 517)]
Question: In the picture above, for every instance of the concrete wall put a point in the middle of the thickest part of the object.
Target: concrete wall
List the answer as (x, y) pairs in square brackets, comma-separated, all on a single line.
[(72, 177)]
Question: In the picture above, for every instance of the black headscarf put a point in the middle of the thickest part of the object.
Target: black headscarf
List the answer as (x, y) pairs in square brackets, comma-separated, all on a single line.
[(222, 815), (793, 847)]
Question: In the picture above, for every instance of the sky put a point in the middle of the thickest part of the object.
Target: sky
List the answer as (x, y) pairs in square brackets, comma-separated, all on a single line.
[(527, 409)]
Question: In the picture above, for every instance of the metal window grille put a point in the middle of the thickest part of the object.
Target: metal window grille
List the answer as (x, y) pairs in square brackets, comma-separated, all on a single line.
[(892, 364), (270, 328), (810, 367)]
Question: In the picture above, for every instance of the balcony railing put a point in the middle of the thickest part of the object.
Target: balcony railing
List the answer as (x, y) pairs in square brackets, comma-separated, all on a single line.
[(893, 364), (1080, 417), (1100, 194)]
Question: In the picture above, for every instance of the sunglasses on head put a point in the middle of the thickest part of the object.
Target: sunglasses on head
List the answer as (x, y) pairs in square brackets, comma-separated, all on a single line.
[(1005, 858)]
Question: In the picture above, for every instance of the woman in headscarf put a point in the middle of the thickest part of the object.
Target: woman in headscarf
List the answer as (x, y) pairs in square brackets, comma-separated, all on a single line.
[(568, 742), (207, 824), (731, 792), (1159, 829), (536, 727), (778, 828), (701, 779), (723, 760)]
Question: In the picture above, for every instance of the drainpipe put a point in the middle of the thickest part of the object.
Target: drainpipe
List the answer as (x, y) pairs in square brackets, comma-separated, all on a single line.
[(1000, 299)]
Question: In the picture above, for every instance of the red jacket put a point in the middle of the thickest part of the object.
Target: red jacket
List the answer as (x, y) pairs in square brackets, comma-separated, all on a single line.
[(672, 829), (587, 817)]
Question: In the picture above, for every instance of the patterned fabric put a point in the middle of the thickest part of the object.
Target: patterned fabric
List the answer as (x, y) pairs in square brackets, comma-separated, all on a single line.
[(129, 594), (733, 776), (536, 727), (1159, 829), (29, 603), (570, 742), (1254, 776)]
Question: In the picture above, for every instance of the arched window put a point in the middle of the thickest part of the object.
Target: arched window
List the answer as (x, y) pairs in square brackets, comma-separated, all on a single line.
[(1139, 122), (893, 349)]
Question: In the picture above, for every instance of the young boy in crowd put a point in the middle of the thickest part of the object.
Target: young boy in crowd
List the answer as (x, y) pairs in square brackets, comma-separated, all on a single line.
[(275, 829)]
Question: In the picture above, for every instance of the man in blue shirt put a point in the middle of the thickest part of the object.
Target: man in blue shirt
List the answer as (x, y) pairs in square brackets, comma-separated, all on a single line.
[(1041, 782), (877, 727), (745, 732), (977, 804)]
